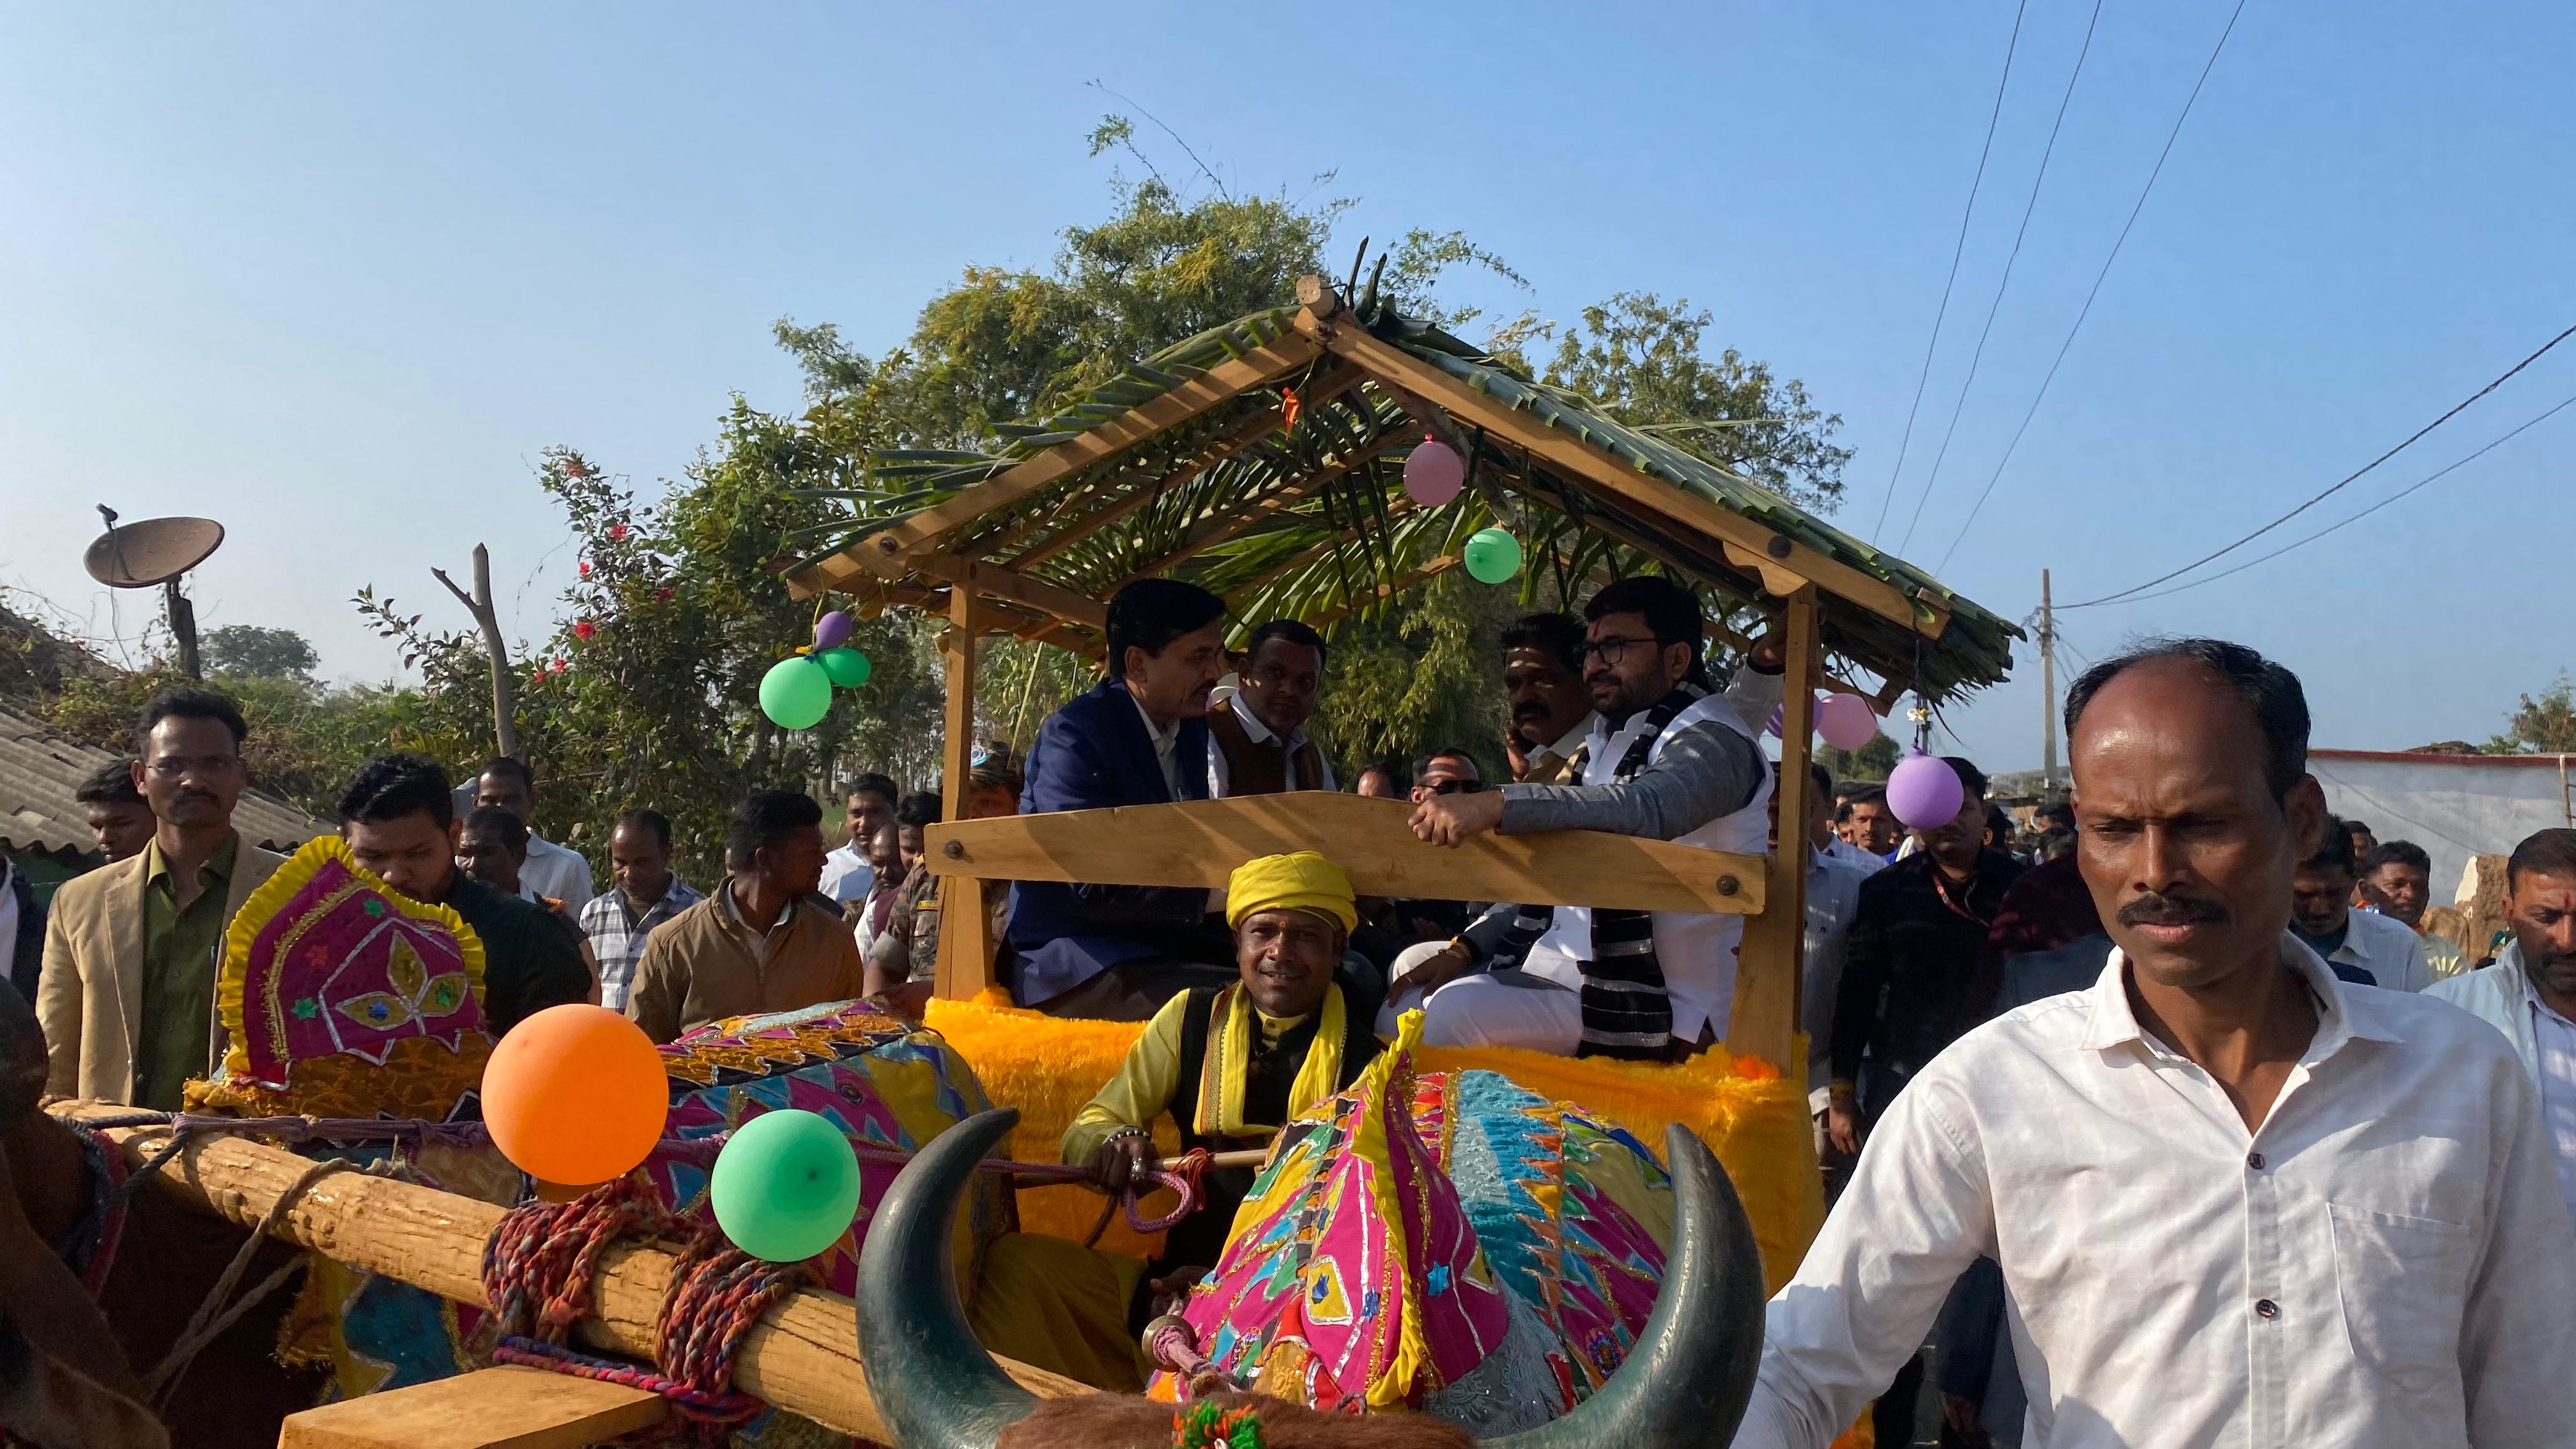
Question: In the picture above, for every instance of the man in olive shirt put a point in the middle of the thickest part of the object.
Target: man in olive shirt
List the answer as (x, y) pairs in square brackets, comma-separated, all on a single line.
[(400, 822), (763, 940), (127, 994)]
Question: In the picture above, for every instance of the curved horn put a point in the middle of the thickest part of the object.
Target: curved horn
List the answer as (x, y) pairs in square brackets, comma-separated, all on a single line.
[(1691, 1373), (934, 1385)]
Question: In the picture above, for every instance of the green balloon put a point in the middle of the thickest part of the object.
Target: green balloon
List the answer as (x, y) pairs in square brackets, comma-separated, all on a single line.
[(796, 692), (848, 667), (786, 1186), (1493, 555)]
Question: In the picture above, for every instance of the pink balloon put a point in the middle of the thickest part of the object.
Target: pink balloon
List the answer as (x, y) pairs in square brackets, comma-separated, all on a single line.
[(1925, 792), (1434, 473), (1846, 721)]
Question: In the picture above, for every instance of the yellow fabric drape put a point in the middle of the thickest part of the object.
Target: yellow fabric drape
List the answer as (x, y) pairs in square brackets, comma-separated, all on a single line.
[(1233, 1036)]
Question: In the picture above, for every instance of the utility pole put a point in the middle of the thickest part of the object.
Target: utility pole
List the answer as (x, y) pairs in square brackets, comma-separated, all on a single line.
[(2047, 688)]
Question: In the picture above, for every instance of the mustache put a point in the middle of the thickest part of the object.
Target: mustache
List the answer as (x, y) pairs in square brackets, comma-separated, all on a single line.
[(1529, 709), (2172, 911)]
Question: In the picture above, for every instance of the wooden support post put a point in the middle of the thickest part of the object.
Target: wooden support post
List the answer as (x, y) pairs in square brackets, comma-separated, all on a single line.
[(965, 934), (494, 1408), (1771, 961)]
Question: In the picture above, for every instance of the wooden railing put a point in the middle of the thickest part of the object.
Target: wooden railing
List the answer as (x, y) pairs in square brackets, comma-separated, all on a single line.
[(1198, 843)]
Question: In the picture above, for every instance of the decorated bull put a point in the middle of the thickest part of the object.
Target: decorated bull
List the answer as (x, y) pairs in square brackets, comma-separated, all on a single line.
[(1683, 1379)]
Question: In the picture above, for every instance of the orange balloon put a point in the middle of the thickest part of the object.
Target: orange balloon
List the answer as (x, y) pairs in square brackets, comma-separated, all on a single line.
[(575, 1094)]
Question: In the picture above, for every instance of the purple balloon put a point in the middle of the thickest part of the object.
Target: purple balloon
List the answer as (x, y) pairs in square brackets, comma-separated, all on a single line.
[(1925, 792), (1779, 721), (1434, 473), (832, 631)]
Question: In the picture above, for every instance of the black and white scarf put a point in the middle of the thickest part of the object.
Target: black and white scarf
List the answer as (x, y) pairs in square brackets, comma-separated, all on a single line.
[(1627, 1011)]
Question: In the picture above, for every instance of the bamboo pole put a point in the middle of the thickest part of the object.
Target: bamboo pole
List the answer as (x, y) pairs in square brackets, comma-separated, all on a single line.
[(803, 1357)]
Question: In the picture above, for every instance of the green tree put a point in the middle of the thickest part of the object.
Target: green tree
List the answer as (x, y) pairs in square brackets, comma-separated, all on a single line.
[(2545, 725), (648, 691), (248, 649)]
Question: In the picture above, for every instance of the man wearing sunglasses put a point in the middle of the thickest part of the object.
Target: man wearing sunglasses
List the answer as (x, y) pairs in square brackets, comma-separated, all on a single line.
[(1669, 759), (1448, 772)]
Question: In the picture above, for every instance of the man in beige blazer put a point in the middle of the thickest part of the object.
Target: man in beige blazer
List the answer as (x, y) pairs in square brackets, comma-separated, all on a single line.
[(127, 995)]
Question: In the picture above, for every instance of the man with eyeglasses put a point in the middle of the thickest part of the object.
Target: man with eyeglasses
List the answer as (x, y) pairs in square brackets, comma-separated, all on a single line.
[(127, 995), (1669, 759)]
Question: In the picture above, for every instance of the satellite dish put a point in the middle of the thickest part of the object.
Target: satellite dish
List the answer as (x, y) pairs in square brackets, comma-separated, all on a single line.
[(154, 551)]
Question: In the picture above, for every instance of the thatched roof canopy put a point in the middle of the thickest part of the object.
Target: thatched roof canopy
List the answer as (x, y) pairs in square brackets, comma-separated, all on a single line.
[(1263, 461)]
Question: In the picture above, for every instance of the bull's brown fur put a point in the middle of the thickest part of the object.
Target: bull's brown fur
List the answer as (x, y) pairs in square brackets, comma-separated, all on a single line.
[(1120, 1421)]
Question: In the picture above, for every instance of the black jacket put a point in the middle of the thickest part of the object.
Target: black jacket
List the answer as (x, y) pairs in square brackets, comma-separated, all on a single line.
[(31, 933), (1917, 969)]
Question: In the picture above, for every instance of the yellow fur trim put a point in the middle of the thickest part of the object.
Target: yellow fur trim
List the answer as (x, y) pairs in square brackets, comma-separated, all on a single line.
[(1755, 1121), (419, 1077)]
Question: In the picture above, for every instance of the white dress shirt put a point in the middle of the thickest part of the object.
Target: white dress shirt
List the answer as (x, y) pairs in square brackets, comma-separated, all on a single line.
[(2384, 1264), (1167, 745), (1260, 734), (557, 871), (1563, 750), (847, 876), (1866, 861), (1833, 898), (2554, 1037), (2387, 948)]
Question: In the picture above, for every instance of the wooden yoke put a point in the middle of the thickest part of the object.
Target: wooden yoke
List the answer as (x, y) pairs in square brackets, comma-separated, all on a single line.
[(1200, 842)]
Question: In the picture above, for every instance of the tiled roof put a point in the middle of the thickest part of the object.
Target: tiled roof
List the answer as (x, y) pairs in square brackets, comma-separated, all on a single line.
[(39, 770)]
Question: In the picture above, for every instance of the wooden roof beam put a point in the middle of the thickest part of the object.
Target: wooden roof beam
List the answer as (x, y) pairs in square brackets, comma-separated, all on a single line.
[(997, 582), (1345, 337), (887, 551)]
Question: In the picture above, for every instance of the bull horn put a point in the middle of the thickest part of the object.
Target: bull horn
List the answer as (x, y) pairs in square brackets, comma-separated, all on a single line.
[(1690, 1374), (934, 1385)]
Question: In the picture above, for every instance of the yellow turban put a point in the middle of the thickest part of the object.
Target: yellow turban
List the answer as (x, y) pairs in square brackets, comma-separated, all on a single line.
[(1298, 881)]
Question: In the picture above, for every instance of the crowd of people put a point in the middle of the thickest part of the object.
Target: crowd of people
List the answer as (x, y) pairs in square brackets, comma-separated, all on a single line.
[(1959, 1017)]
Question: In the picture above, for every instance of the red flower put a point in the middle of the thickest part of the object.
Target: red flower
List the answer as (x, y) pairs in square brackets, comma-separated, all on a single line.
[(616, 532), (585, 568), (662, 594), (575, 468), (584, 630)]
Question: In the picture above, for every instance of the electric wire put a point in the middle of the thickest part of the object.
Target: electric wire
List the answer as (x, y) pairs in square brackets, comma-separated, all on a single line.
[(2098, 278), (2365, 513), (1978, 355), (2348, 479), (1956, 251)]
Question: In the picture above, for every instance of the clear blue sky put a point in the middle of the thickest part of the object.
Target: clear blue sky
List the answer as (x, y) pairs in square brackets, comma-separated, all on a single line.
[(336, 274)]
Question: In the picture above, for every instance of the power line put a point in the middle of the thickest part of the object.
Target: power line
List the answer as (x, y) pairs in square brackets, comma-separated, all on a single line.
[(2346, 481), (2365, 513), (1956, 251), (1979, 354), (2087, 309)]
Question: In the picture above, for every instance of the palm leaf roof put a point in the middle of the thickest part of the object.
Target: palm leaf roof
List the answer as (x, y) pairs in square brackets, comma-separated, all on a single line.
[(1195, 464)]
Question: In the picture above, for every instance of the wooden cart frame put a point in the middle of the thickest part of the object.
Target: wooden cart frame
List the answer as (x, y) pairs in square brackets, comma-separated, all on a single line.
[(1259, 460)]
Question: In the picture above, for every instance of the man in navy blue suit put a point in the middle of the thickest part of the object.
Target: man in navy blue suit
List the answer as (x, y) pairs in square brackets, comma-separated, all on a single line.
[(1138, 738)]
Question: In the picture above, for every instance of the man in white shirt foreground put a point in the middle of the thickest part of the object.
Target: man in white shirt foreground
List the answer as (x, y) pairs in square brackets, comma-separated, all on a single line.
[(2236, 1201)]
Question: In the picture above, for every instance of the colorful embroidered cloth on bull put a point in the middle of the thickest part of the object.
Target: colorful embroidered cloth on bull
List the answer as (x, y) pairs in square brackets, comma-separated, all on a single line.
[(344, 997), (1440, 1241), (884, 1083)]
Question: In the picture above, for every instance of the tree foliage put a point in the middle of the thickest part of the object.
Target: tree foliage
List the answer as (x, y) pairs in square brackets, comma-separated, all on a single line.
[(249, 649), (2545, 725)]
